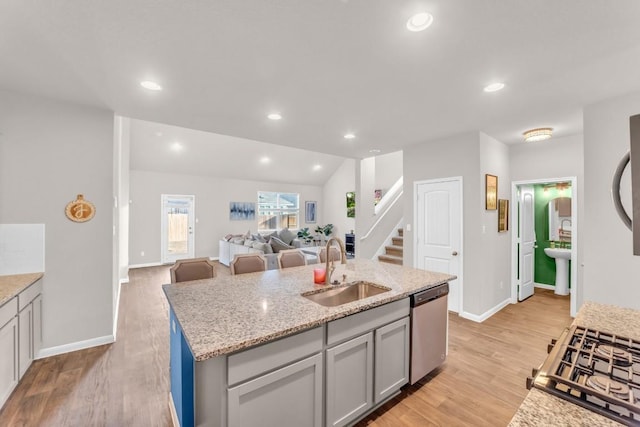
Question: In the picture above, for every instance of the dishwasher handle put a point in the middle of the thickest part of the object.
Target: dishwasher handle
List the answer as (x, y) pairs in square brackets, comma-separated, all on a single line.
[(429, 295)]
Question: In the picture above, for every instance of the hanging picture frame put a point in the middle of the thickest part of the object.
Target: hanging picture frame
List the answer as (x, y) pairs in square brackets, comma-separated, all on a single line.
[(503, 215), (242, 211), (351, 204), (491, 192), (310, 208)]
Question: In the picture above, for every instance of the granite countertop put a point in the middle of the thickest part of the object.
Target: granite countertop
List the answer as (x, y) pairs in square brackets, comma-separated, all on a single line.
[(13, 284), (229, 313), (542, 409)]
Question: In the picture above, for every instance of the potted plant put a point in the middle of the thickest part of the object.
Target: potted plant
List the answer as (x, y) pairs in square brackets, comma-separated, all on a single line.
[(305, 235), (323, 231)]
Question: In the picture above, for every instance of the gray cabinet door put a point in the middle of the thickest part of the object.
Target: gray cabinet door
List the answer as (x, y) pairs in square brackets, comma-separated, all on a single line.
[(349, 380), (392, 358), (25, 339), (290, 396), (37, 326), (8, 358)]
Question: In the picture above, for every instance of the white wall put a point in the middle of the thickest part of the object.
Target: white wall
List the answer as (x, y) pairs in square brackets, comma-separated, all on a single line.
[(554, 158), (334, 196), (457, 155), (610, 273), (50, 152), (388, 170), (212, 197), (495, 247)]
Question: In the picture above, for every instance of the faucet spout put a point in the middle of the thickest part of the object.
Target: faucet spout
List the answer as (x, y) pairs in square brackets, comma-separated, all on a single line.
[(343, 258)]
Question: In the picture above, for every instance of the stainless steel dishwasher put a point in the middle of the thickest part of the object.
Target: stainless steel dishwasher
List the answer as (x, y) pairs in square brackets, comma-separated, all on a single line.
[(428, 330)]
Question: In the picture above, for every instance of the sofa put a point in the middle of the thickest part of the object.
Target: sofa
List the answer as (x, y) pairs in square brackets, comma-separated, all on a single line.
[(267, 244)]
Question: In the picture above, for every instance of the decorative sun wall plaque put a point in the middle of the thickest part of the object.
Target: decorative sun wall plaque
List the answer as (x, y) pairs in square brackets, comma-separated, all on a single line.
[(80, 210)]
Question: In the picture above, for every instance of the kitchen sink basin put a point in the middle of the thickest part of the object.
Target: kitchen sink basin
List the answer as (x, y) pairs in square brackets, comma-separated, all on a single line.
[(342, 294)]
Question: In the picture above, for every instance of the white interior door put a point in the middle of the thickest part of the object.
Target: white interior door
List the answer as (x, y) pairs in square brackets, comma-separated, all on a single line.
[(527, 242), (178, 231), (438, 241)]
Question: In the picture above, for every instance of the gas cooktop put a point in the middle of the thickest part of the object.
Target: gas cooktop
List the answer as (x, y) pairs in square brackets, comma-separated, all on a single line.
[(596, 370)]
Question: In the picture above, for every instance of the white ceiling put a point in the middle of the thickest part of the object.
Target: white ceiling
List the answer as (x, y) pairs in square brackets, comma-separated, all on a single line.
[(209, 154), (329, 66)]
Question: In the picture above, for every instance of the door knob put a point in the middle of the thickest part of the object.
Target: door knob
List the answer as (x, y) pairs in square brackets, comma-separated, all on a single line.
[(454, 253)]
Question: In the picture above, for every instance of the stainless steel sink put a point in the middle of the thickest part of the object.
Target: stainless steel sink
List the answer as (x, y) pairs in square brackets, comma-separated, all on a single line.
[(342, 294)]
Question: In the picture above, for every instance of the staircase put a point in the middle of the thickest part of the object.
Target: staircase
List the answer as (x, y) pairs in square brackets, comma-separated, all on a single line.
[(393, 253)]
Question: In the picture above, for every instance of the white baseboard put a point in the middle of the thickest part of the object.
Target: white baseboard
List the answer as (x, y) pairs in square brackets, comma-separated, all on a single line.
[(487, 314), (149, 264), (74, 346), (174, 414), (116, 312), (543, 286)]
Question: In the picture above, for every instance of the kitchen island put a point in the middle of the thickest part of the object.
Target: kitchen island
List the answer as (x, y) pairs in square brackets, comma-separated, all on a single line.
[(543, 409), (238, 340)]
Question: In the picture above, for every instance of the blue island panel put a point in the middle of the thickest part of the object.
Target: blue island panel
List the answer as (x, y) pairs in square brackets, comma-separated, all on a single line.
[(181, 365)]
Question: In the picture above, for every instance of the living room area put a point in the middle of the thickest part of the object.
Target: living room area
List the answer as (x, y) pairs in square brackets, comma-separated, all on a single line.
[(219, 171)]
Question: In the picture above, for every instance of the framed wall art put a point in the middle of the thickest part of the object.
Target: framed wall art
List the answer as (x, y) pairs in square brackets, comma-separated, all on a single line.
[(351, 204), (242, 211), (503, 215), (491, 191), (310, 208)]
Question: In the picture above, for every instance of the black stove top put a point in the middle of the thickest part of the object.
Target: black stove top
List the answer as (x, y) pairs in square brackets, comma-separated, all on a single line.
[(597, 370)]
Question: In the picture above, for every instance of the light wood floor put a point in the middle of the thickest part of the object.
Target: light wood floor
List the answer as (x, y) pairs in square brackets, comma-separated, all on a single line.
[(127, 384)]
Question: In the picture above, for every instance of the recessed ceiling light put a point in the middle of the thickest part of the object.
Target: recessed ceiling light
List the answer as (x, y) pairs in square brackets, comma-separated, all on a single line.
[(494, 87), (349, 136), (148, 84), (265, 160), (274, 116), (538, 134), (176, 146), (374, 151), (317, 167), (419, 21)]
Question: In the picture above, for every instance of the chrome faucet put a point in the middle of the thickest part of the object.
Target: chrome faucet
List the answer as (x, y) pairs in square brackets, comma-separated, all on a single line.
[(343, 259)]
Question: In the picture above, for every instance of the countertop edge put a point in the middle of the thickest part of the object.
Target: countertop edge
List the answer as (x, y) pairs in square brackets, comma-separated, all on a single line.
[(12, 284)]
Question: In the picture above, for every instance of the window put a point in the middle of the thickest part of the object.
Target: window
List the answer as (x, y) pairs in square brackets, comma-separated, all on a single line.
[(278, 210)]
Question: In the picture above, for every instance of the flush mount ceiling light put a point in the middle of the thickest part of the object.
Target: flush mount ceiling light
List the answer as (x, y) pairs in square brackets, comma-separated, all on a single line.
[(148, 84), (538, 134), (176, 146), (317, 167), (419, 21), (494, 87), (349, 136), (265, 160), (274, 116)]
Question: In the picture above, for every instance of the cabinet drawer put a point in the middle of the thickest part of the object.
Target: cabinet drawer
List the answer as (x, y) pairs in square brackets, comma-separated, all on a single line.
[(26, 296), (8, 311), (359, 323), (258, 360)]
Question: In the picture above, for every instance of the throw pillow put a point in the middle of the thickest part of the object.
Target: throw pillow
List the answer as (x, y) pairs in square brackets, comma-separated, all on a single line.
[(286, 235), (264, 247), (248, 242), (258, 238), (278, 245), (237, 240)]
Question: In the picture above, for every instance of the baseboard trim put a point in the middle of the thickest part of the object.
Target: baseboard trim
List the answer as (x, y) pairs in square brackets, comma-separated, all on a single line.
[(116, 312), (74, 346), (487, 314), (149, 264), (544, 286), (174, 414)]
